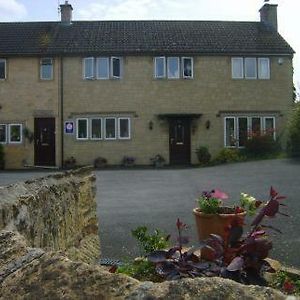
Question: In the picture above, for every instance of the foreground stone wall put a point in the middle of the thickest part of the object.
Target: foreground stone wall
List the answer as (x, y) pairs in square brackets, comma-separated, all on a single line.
[(56, 212), (27, 273)]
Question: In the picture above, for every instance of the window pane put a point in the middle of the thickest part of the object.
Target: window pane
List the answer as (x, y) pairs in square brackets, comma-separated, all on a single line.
[(102, 67), (159, 67), (243, 131), (270, 126), (96, 128), (89, 67), (110, 128), (15, 133), (250, 67), (263, 68), (255, 126), (46, 68), (2, 68), (124, 128), (173, 67), (2, 133), (82, 129), (187, 67), (116, 67), (237, 67), (229, 132)]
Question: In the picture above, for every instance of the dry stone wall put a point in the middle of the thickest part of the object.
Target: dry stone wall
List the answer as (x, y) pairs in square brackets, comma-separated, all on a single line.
[(56, 212)]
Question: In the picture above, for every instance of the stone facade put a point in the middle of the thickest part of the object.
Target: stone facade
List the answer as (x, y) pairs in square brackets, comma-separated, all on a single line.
[(56, 212), (138, 95)]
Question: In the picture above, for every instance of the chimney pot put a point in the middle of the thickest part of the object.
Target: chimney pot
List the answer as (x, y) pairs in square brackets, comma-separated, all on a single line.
[(66, 13), (268, 15)]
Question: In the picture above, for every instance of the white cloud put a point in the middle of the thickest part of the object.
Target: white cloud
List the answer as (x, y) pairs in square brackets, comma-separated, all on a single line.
[(11, 10)]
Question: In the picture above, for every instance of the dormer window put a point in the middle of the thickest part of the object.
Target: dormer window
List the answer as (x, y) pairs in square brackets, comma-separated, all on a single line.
[(46, 68), (2, 68)]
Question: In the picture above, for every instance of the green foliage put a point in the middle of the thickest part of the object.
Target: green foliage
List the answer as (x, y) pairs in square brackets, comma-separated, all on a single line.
[(203, 155), (286, 283), (294, 133), (209, 205), (249, 203), (261, 145), (2, 161), (227, 155), (150, 242)]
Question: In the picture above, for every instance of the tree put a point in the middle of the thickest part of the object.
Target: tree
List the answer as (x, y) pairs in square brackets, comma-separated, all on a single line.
[(294, 132)]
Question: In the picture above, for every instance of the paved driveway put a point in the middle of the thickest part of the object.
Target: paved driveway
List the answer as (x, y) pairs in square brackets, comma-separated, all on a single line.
[(155, 198)]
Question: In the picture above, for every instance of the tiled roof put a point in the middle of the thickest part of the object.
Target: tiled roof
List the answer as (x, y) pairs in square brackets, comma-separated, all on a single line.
[(138, 37)]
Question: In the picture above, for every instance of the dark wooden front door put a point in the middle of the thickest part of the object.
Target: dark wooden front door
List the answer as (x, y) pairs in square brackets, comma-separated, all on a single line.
[(180, 141), (44, 141)]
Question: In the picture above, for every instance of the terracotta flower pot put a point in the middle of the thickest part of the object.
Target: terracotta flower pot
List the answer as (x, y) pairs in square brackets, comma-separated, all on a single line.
[(215, 223)]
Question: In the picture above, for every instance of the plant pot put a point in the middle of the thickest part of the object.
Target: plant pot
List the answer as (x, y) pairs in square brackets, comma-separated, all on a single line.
[(216, 224)]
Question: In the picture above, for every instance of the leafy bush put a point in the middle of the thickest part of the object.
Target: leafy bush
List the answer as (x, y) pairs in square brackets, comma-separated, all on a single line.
[(293, 146), (157, 161), (70, 163), (261, 145), (128, 161), (2, 161), (286, 283), (203, 155), (100, 162), (227, 155)]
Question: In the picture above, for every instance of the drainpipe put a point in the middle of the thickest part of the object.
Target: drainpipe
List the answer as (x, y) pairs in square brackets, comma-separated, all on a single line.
[(62, 109)]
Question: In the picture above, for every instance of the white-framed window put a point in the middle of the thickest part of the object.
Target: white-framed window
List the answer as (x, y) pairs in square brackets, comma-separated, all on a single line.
[(3, 133), (173, 67), (46, 68), (237, 67), (96, 129), (88, 67), (229, 132), (124, 128), (116, 67), (110, 129), (242, 131), (102, 65), (160, 67), (269, 126), (82, 129), (187, 67), (263, 68), (15, 133), (250, 68), (2, 68)]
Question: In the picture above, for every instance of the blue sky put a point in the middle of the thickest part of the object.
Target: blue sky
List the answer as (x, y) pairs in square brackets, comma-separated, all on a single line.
[(239, 10)]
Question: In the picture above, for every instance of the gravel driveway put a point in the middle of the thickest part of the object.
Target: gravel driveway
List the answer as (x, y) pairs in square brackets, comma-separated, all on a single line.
[(156, 198)]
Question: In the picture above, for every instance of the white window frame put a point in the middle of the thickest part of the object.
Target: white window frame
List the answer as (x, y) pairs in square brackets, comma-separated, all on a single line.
[(259, 59), (178, 64), (87, 129), (116, 134), (41, 66), (5, 66), (93, 68), (255, 66), (234, 130), (9, 132), (97, 67), (192, 67), (91, 129), (2, 124), (155, 69), (112, 67), (237, 136), (274, 125), (241, 60), (129, 128)]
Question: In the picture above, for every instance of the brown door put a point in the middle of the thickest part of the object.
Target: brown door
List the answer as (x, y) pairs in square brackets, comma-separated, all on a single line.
[(180, 141), (44, 141)]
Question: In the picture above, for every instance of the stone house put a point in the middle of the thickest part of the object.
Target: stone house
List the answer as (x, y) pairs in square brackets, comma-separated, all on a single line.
[(139, 88)]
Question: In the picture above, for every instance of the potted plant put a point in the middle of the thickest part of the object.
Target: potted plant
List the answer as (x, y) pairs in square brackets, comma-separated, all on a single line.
[(157, 161)]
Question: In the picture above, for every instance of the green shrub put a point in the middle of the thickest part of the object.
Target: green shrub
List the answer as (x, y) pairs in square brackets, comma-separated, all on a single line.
[(261, 145), (2, 161), (293, 146), (203, 155), (227, 155)]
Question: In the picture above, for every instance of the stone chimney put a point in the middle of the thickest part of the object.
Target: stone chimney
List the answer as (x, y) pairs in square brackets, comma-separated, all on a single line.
[(66, 13), (268, 15)]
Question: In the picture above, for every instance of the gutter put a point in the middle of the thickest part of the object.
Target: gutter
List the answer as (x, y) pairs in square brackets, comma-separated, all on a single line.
[(62, 110)]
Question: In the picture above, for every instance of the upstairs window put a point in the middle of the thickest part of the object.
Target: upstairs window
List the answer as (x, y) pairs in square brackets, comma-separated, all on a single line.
[(2, 69), (15, 133), (46, 68), (102, 67), (173, 67), (250, 68), (3, 133), (160, 67), (187, 67)]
